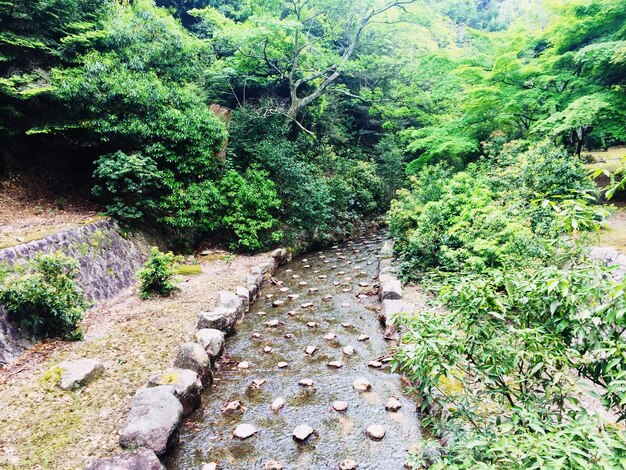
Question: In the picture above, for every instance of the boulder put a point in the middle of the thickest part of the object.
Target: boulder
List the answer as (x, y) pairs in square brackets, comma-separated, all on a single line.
[(212, 341), (141, 459), (186, 386), (154, 417), (79, 373), (391, 290), (390, 308), (280, 255), (192, 356), (230, 300), (244, 294), (223, 319)]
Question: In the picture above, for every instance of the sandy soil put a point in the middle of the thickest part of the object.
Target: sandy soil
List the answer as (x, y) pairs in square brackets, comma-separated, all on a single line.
[(44, 427), (29, 212)]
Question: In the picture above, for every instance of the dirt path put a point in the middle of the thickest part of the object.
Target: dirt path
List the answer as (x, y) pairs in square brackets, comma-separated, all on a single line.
[(44, 427)]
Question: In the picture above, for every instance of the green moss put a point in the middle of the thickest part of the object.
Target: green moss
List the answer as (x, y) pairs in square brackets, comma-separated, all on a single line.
[(189, 270)]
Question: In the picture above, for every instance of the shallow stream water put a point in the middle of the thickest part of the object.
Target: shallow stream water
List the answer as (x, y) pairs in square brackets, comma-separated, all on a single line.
[(343, 272)]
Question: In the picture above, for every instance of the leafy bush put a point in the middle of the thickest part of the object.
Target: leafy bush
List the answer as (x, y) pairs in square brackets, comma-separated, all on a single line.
[(157, 275), (45, 300)]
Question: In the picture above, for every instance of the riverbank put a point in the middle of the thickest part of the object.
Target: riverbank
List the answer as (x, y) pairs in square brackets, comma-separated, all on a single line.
[(44, 427)]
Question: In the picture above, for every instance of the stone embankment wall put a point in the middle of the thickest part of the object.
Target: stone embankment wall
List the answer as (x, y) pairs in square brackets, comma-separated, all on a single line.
[(108, 260)]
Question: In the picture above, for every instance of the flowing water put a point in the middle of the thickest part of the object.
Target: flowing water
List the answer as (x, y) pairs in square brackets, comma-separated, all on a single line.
[(343, 272)]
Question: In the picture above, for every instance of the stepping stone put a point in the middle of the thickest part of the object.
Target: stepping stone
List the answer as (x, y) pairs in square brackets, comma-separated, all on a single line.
[(345, 305), (255, 335), (282, 365), (335, 364), (244, 431), (155, 414), (258, 383), (330, 336), (277, 404), (307, 266), (363, 337), (295, 276), (269, 296), (375, 364), (288, 336), (327, 297), (288, 270), (310, 350), (321, 276), (284, 289), (293, 296), (303, 432), (313, 290), (272, 465), (243, 365), (393, 404), (362, 385), (347, 325), (267, 349), (340, 273), (261, 314), (303, 283), (272, 323), (209, 466), (348, 350), (376, 431), (311, 324), (361, 296), (307, 305), (336, 283), (77, 374), (348, 464), (232, 406), (278, 303), (306, 382), (292, 313), (340, 405), (346, 290)]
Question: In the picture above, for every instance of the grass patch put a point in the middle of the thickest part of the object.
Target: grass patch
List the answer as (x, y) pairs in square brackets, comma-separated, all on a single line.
[(189, 269)]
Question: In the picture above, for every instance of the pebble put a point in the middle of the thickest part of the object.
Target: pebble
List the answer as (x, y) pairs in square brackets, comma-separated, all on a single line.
[(269, 296), (244, 431), (303, 432), (258, 383), (362, 385), (327, 297), (347, 289), (361, 296), (363, 337), (340, 405), (393, 404), (313, 290), (261, 314), (307, 266), (306, 382), (282, 365), (292, 313), (243, 365), (330, 336), (375, 364), (336, 283), (293, 296), (303, 283), (310, 350), (321, 276), (288, 270), (278, 303), (348, 464), (348, 350), (284, 289), (232, 406), (335, 364), (272, 465), (295, 276), (376, 431), (267, 349), (277, 404), (307, 305), (347, 325), (272, 323), (311, 324)]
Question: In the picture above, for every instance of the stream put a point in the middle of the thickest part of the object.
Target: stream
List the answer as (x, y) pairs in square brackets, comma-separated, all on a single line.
[(339, 283)]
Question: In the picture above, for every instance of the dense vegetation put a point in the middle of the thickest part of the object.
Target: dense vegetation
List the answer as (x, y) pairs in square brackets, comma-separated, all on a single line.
[(264, 122)]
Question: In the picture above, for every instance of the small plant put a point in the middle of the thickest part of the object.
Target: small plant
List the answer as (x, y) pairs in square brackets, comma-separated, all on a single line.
[(157, 275), (45, 299)]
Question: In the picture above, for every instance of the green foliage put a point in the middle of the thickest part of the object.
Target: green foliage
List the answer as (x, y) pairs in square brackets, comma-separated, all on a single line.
[(157, 275), (45, 300)]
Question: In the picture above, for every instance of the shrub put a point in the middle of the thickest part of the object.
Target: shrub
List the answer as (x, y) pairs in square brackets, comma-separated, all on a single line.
[(157, 275), (45, 300)]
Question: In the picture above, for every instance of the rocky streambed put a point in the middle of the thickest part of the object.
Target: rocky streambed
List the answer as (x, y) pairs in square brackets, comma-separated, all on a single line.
[(305, 382)]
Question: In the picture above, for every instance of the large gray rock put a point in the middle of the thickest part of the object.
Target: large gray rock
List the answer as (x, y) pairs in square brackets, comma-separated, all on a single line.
[(154, 417), (77, 374), (391, 308), (192, 356), (280, 255), (391, 290), (186, 386), (230, 300), (212, 341), (253, 283), (385, 266), (141, 459), (223, 319), (244, 294)]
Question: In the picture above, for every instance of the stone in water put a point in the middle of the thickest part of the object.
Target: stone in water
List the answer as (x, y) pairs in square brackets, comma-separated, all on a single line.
[(244, 431), (376, 431), (363, 337), (340, 405), (310, 350), (243, 365), (282, 365), (306, 383), (362, 385), (375, 364), (393, 404), (303, 432), (330, 336), (348, 350), (277, 404), (348, 464), (335, 364)]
